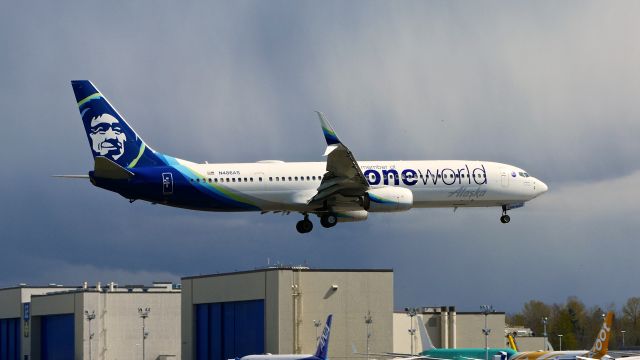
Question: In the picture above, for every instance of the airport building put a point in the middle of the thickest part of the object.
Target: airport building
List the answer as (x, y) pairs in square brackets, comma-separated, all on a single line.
[(90, 322), (15, 315), (279, 310), (447, 328), (283, 310)]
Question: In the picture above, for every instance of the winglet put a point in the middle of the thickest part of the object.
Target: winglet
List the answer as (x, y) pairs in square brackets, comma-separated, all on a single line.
[(601, 346), (329, 134)]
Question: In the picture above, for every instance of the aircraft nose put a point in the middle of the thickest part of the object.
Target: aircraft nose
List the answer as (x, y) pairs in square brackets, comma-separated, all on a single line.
[(541, 187)]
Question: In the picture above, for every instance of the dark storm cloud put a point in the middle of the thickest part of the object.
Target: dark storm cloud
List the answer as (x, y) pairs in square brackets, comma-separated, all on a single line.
[(548, 86)]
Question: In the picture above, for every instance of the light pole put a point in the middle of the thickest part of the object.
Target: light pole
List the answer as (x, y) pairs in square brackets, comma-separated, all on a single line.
[(486, 310), (544, 322), (90, 316), (317, 324), (144, 314), (412, 312), (623, 331), (560, 337), (368, 320)]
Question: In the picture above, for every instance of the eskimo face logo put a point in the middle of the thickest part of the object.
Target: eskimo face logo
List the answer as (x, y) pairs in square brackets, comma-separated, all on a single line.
[(107, 136)]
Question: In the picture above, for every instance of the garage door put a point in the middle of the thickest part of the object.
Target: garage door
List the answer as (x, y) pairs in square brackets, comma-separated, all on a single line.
[(57, 338), (10, 339), (229, 330)]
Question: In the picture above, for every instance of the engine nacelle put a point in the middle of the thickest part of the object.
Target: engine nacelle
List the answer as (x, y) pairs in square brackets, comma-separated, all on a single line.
[(388, 199), (352, 215)]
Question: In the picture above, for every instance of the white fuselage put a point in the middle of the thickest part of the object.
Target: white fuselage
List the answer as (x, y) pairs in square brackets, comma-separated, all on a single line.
[(276, 185)]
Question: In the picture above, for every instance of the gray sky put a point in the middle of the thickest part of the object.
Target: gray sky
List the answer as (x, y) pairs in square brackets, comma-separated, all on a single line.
[(552, 87)]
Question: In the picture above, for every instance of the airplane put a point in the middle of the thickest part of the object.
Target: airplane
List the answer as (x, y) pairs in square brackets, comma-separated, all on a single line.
[(598, 351), (321, 352), (341, 189), (431, 352)]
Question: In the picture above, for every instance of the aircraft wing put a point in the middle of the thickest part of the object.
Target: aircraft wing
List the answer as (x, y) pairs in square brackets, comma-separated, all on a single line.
[(343, 176)]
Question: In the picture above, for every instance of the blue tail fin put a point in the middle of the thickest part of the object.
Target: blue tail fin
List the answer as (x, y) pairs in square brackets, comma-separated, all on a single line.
[(323, 344), (109, 134)]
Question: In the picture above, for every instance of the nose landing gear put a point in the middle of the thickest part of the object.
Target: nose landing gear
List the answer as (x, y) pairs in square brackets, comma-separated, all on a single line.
[(504, 218), (305, 225)]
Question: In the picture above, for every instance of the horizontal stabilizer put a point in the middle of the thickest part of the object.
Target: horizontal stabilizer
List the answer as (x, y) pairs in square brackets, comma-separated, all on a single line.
[(107, 169), (71, 176)]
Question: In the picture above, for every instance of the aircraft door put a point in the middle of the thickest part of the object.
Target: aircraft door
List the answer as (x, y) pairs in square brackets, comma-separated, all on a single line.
[(505, 178), (167, 183)]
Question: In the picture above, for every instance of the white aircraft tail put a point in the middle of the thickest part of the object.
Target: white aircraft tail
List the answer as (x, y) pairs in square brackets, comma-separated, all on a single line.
[(424, 336)]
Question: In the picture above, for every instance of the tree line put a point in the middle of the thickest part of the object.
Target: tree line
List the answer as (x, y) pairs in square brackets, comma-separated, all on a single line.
[(578, 324)]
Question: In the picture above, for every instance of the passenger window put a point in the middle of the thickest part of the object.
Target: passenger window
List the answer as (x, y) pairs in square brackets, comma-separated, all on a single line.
[(439, 176), (270, 178), (462, 176), (308, 178), (215, 179), (260, 179), (289, 178), (277, 178), (209, 179), (227, 179), (457, 175), (233, 179), (251, 179), (296, 178)]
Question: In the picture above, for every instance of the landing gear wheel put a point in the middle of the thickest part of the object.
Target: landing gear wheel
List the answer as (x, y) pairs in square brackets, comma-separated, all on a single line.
[(504, 218), (304, 226), (328, 220)]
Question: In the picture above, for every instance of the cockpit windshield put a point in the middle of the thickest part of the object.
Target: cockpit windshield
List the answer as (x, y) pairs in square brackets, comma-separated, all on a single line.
[(523, 174)]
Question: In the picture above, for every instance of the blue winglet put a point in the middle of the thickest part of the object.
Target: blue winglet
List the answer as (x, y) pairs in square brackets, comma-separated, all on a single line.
[(329, 134)]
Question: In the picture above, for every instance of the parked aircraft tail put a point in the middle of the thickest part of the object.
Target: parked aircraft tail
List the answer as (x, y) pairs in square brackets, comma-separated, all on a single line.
[(323, 344), (424, 336), (109, 134), (511, 341), (601, 345)]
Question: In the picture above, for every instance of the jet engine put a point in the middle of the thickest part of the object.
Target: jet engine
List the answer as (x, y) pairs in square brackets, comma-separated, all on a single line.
[(388, 199), (352, 216)]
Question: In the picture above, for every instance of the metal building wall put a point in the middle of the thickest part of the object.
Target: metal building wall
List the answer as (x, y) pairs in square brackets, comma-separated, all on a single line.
[(293, 299), (117, 326)]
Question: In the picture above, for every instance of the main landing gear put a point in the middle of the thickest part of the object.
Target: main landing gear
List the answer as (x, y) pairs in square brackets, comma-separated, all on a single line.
[(504, 218), (328, 220), (305, 225)]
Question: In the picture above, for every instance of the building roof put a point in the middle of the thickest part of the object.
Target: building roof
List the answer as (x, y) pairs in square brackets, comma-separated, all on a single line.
[(285, 268)]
